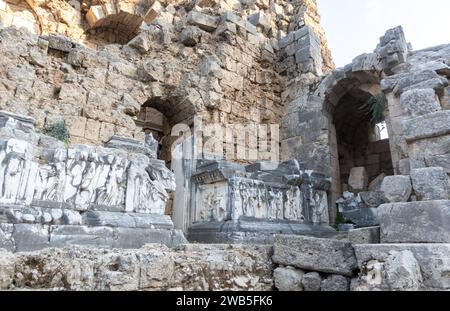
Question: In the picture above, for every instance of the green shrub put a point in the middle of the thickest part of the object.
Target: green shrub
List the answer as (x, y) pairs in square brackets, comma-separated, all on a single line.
[(59, 131), (375, 107), (340, 220)]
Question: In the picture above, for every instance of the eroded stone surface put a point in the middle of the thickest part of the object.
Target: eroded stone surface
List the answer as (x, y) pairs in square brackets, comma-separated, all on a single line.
[(150, 268), (403, 266)]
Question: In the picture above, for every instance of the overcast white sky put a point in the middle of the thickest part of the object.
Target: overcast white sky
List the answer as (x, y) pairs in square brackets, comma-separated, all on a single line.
[(353, 27)]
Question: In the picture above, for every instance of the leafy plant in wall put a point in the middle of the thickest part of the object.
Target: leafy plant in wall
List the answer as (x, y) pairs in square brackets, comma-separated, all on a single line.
[(375, 107), (59, 131)]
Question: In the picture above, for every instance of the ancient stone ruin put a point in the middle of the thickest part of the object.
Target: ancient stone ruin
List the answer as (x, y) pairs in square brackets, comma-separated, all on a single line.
[(213, 145)]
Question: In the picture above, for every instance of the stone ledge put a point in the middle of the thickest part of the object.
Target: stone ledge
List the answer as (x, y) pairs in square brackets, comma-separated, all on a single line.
[(313, 254), (427, 126)]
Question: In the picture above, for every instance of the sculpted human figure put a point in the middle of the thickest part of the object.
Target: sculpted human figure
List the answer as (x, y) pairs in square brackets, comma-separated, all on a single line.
[(57, 191), (46, 179), (75, 169), (112, 192), (135, 183), (14, 165), (86, 190), (151, 146), (51, 178), (2, 169)]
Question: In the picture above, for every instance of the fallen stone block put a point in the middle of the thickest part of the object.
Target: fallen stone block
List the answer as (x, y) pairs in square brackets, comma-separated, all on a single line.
[(394, 266), (205, 22), (358, 180), (288, 279), (431, 183), (314, 254), (59, 43), (397, 188), (335, 283), (364, 217), (373, 199), (190, 36), (94, 14), (415, 222), (375, 185), (370, 235), (311, 282)]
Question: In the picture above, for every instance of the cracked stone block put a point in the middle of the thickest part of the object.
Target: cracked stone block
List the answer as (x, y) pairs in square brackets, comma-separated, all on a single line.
[(314, 254), (359, 179), (397, 188), (420, 102), (29, 237), (335, 283), (431, 183), (205, 22), (415, 222)]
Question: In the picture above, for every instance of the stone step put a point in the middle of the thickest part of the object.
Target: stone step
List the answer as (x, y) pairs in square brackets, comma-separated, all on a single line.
[(127, 220), (33, 237), (415, 222)]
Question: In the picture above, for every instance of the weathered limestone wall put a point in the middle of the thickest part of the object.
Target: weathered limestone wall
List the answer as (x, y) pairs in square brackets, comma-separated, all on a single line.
[(217, 58)]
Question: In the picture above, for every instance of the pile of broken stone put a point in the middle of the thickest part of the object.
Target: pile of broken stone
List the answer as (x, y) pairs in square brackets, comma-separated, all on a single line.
[(400, 240)]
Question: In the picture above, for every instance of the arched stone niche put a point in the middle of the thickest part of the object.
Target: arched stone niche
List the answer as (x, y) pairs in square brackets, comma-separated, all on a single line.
[(159, 116), (326, 130), (118, 21)]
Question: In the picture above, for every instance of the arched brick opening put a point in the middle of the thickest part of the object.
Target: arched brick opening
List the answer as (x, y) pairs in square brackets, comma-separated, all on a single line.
[(117, 21), (354, 139), (159, 115)]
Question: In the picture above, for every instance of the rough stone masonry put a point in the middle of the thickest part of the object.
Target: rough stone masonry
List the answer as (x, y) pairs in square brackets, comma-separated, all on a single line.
[(120, 122)]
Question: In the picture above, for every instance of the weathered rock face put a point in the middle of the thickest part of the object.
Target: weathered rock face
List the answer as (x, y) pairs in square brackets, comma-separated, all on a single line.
[(403, 267), (415, 222), (190, 267), (197, 58), (431, 183), (397, 188), (335, 283), (288, 280)]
